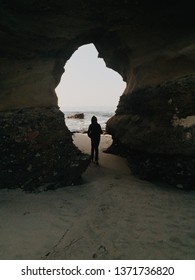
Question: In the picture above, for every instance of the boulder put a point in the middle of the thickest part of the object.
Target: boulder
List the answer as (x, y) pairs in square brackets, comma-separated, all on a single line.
[(77, 116)]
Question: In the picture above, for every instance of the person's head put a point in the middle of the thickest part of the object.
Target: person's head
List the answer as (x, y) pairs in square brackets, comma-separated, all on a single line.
[(93, 119)]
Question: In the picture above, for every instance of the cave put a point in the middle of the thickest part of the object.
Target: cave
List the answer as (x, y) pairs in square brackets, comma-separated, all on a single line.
[(151, 45)]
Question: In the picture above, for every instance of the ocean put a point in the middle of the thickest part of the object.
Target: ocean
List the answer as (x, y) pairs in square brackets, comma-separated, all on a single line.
[(103, 114)]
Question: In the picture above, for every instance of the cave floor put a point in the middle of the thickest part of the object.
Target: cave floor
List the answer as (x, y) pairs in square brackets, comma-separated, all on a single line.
[(112, 215)]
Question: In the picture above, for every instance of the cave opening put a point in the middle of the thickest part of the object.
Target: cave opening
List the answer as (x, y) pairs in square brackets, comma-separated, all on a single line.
[(88, 87)]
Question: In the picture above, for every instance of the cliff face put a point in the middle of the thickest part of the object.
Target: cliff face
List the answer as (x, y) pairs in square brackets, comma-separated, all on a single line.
[(37, 150), (151, 45), (158, 132)]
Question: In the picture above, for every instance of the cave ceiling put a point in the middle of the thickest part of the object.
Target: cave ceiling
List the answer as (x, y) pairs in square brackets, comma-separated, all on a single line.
[(56, 28)]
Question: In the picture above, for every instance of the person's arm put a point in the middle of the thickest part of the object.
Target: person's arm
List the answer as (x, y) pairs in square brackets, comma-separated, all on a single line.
[(89, 131)]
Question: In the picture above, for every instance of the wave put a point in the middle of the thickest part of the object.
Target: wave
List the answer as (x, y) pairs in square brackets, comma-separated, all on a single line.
[(81, 125)]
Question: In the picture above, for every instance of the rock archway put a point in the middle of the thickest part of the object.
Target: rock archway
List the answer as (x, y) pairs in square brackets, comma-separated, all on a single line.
[(150, 45)]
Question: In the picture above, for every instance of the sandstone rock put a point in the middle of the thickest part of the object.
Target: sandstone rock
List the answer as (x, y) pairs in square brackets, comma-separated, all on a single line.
[(158, 136)]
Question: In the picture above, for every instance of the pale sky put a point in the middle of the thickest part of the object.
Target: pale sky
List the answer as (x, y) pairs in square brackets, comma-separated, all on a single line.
[(88, 82)]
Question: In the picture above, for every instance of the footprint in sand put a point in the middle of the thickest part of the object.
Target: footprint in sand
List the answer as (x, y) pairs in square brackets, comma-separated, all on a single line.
[(104, 207), (100, 253)]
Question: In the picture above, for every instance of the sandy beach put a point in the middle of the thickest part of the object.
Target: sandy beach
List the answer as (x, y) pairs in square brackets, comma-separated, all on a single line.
[(112, 215)]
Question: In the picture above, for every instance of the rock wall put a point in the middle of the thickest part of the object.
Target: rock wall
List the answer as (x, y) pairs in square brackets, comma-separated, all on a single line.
[(37, 150), (158, 133), (151, 44), (27, 83)]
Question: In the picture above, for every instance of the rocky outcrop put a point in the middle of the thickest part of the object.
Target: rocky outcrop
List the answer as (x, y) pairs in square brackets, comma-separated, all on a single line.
[(77, 116), (156, 128), (151, 44), (37, 150)]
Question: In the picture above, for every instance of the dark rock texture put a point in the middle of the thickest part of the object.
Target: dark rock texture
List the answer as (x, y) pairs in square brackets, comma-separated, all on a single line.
[(158, 133), (77, 116), (37, 149), (151, 44)]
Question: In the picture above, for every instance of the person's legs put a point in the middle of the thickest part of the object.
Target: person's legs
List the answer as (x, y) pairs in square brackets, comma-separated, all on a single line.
[(96, 150), (92, 149), (96, 153)]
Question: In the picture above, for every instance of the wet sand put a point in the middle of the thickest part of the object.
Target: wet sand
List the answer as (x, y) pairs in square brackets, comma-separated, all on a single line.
[(112, 215)]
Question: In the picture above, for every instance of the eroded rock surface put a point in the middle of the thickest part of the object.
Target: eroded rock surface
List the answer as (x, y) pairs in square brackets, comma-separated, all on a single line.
[(158, 133), (152, 46), (37, 150)]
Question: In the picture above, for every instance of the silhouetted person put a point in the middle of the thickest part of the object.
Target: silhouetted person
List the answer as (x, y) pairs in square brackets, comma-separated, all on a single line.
[(94, 132)]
